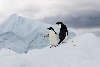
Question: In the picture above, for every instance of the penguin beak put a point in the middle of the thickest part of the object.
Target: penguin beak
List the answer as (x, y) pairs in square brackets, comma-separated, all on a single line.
[(48, 28), (56, 23)]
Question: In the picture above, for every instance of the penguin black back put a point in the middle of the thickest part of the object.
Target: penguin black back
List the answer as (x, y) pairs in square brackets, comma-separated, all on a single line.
[(63, 28)]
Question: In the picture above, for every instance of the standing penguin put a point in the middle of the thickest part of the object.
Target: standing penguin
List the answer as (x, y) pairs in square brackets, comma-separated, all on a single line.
[(63, 31), (52, 37)]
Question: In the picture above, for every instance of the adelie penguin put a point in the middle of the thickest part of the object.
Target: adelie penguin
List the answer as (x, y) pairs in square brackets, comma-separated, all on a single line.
[(52, 37), (63, 31)]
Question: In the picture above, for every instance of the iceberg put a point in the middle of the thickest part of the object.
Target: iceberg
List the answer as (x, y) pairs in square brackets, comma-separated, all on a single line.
[(23, 34)]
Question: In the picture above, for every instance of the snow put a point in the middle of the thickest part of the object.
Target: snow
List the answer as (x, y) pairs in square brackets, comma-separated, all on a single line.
[(84, 54), (23, 34)]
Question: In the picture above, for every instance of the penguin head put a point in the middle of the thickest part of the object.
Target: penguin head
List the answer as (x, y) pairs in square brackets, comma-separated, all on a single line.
[(59, 24), (50, 28)]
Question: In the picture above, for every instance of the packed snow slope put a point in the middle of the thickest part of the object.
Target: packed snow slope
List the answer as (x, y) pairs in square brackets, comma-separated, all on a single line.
[(23, 34), (84, 53)]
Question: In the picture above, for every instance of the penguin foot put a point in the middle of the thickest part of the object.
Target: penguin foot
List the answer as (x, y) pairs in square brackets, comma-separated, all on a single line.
[(52, 46)]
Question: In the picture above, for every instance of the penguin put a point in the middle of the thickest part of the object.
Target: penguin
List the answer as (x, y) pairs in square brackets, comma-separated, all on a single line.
[(52, 37), (63, 31)]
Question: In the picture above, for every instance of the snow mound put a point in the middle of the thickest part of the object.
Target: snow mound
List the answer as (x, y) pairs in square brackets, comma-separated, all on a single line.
[(22, 34), (84, 54)]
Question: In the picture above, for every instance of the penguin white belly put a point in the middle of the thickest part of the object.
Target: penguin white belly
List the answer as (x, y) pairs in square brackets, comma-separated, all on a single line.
[(52, 38)]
